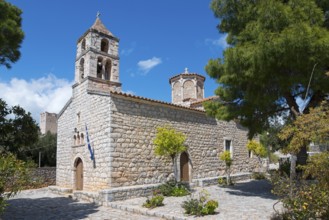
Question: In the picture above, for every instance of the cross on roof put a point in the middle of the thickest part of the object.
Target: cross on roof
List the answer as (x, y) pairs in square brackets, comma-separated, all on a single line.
[(98, 14)]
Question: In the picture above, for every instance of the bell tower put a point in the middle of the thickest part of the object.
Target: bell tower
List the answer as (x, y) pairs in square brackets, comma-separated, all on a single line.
[(97, 58)]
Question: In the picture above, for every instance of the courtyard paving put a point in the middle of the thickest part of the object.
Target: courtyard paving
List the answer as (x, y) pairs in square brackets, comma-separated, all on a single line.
[(246, 200)]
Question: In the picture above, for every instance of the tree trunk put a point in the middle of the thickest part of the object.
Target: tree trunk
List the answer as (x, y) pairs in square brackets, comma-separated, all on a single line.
[(293, 159), (228, 176), (174, 167)]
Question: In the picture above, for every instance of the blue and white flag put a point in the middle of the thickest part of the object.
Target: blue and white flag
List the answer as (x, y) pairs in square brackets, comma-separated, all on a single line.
[(89, 145)]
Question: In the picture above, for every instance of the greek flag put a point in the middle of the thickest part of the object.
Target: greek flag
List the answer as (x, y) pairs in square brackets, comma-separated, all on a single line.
[(89, 146)]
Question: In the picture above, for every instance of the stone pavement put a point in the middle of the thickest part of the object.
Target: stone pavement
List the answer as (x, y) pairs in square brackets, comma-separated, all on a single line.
[(41, 204), (246, 200)]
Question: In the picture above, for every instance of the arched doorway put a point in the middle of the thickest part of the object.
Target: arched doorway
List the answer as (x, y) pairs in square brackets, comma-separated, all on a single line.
[(184, 167), (79, 174)]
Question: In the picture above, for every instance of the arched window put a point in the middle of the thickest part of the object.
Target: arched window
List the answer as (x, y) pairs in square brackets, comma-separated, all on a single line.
[(177, 92), (82, 68), (78, 139), (105, 45), (188, 89), (75, 140), (199, 90), (83, 44), (108, 67), (99, 67), (81, 138)]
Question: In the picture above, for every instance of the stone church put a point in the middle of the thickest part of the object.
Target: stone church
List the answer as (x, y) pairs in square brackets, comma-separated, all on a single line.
[(121, 128)]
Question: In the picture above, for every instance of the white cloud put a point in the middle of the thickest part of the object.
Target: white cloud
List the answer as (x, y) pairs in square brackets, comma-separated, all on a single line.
[(220, 42), (146, 65), (37, 95)]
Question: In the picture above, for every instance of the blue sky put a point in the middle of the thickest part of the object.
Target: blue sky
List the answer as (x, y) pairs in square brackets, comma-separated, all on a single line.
[(158, 39)]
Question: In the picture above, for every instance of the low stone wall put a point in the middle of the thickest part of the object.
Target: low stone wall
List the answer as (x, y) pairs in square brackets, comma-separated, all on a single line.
[(47, 175), (214, 180), (129, 192)]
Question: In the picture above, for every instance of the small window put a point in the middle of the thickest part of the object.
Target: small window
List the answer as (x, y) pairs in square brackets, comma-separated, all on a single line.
[(82, 68), (105, 45), (108, 68), (78, 139), (81, 138), (250, 153), (99, 67), (228, 146), (75, 140)]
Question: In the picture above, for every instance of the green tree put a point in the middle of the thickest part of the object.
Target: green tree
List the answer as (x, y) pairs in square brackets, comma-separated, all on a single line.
[(169, 142), (226, 157), (305, 199), (14, 176), (257, 149), (46, 145), (18, 130), (307, 128), (275, 47), (11, 34)]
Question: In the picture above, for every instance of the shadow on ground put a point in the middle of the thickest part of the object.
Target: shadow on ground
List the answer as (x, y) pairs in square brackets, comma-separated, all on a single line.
[(47, 208), (260, 188)]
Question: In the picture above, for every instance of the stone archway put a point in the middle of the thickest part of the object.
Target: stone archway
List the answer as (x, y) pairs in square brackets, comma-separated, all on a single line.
[(79, 174), (184, 167)]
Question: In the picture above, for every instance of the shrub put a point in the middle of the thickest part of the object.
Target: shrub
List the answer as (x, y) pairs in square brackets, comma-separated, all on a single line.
[(155, 201), (14, 176), (209, 208), (173, 188), (192, 207), (222, 181), (226, 157), (258, 176), (200, 206)]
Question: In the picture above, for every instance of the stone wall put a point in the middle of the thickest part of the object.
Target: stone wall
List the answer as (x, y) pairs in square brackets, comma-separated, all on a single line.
[(47, 175), (85, 108), (133, 128)]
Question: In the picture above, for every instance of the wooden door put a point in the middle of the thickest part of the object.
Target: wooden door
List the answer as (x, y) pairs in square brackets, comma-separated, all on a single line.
[(79, 175), (184, 167)]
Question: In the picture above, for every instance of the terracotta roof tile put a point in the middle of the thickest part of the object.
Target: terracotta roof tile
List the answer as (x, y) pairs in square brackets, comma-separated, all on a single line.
[(204, 100), (154, 101)]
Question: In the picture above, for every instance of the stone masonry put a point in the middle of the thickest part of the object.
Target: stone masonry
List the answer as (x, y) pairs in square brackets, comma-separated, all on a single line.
[(122, 127)]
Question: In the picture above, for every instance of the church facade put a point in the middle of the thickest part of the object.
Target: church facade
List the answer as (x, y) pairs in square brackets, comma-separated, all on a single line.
[(121, 129)]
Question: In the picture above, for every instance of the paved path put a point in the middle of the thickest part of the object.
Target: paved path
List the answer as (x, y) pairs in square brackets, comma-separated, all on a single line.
[(246, 200), (249, 200), (41, 204)]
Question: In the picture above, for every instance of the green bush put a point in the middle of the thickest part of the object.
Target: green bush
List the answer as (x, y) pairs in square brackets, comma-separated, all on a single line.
[(258, 176), (222, 181), (14, 176), (209, 208), (155, 201), (192, 207), (302, 198), (172, 188), (200, 206)]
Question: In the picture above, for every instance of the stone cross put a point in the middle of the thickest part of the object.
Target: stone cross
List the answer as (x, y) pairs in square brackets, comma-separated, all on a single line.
[(98, 14), (186, 70)]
